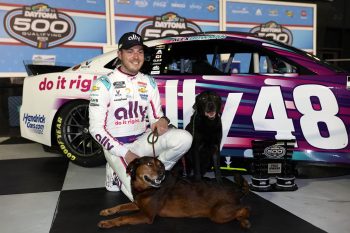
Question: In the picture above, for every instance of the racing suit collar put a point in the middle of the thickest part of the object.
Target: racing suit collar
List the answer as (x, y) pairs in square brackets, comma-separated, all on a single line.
[(128, 75)]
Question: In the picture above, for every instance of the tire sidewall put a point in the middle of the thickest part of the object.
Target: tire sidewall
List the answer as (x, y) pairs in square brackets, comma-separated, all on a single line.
[(96, 159)]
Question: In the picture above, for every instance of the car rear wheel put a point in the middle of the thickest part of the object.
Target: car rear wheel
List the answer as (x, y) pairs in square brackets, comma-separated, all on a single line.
[(73, 137)]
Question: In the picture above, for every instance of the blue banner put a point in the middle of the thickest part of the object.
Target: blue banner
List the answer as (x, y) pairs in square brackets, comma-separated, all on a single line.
[(64, 32), (76, 29), (81, 5), (290, 23), (261, 13), (158, 18)]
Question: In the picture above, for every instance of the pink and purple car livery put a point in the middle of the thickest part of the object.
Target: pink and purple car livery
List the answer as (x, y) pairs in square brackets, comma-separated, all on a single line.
[(269, 91)]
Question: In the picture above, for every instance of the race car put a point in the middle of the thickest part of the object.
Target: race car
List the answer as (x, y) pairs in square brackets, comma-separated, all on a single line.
[(269, 91)]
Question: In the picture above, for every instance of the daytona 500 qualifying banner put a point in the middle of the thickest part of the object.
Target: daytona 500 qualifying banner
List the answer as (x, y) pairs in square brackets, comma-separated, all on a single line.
[(158, 18), (290, 23), (62, 32), (67, 32)]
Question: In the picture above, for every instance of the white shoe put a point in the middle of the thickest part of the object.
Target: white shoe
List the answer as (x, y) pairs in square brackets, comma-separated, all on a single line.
[(112, 183)]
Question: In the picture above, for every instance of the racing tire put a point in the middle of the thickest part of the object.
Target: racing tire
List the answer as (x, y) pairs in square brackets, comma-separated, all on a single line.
[(51, 149), (73, 137)]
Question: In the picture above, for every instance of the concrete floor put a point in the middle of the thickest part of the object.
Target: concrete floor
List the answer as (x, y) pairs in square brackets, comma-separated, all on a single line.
[(323, 202)]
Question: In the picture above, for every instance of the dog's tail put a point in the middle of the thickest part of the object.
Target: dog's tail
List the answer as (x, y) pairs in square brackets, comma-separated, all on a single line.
[(242, 183)]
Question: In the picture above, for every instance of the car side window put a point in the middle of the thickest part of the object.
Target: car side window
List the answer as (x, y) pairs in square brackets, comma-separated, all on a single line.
[(258, 63), (241, 63), (215, 57), (188, 59), (179, 65), (274, 65), (195, 64)]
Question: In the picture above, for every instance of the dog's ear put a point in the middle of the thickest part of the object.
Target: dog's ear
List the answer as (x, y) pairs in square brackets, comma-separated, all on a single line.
[(196, 102), (131, 168), (194, 107)]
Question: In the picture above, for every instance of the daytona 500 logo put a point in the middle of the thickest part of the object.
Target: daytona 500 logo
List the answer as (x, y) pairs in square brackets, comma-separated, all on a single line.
[(39, 26), (167, 24), (274, 31)]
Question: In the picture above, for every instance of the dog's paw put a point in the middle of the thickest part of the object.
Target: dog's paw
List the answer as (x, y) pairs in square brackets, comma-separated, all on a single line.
[(107, 212), (245, 224), (105, 224)]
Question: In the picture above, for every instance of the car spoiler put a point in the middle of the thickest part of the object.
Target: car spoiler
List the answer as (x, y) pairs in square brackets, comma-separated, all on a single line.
[(43, 69)]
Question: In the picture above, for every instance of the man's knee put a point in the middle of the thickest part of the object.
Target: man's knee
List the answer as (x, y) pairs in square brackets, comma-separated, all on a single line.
[(180, 141), (186, 140)]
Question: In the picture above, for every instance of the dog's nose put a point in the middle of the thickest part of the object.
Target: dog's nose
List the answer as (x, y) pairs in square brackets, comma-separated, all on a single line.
[(211, 106)]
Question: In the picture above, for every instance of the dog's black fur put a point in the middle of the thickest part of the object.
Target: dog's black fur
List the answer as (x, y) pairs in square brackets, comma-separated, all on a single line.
[(206, 129)]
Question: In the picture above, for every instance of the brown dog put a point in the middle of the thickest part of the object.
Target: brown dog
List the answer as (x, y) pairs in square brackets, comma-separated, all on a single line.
[(154, 195)]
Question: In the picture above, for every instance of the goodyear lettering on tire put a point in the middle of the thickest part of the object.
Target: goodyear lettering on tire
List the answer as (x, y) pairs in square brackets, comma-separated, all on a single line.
[(61, 144)]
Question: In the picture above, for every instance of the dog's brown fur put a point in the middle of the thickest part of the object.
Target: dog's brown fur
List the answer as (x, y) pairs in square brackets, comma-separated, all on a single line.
[(177, 198)]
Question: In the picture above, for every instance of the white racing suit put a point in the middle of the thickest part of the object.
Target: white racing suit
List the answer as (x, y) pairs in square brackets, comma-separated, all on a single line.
[(121, 109)]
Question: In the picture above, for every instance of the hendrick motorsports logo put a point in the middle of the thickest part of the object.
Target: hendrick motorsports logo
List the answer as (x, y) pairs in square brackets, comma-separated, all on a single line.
[(165, 25), (39, 26), (274, 31)]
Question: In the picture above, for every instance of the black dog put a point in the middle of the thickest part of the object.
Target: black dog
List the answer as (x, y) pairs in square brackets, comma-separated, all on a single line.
[(206, 129)]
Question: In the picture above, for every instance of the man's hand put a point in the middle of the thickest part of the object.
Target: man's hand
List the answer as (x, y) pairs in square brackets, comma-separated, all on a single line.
[(161, 125), (130, 156)]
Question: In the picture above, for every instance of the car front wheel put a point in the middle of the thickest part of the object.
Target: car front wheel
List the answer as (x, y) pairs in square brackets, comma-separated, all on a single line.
[(73, 137)]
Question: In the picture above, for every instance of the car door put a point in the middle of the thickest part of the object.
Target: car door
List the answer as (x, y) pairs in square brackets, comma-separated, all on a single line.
[(265, 95)]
